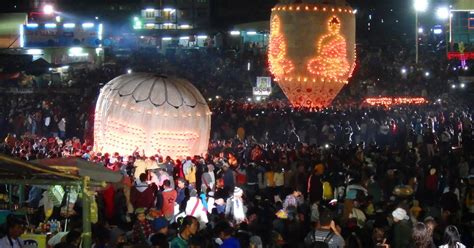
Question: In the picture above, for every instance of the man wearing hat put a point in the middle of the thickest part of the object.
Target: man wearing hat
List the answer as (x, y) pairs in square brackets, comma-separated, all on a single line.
[(401, 230), (160, 225), (160, 236), (235, 207)]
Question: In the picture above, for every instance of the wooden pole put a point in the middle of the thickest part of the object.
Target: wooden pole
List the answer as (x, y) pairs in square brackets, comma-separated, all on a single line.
[(21, 193), (86, 214)]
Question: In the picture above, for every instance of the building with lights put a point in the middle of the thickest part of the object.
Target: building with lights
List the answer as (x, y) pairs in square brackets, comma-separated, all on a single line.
[(63, 43), (174, 23), (461, 32)]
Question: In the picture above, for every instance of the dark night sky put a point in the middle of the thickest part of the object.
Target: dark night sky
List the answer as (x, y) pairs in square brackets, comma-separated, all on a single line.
[(226, 13)]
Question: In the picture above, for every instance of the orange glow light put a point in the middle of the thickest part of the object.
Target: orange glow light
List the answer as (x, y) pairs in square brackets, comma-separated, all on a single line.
[(279, 65), (391, 101), (331, 62)]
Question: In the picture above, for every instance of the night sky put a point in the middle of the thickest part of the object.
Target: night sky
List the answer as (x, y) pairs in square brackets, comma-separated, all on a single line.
[(391, 16)]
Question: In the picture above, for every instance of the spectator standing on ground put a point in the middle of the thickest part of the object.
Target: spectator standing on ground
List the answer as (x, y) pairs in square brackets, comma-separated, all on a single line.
[(169, 199), (401, 230), (189, 227), (326, 233)]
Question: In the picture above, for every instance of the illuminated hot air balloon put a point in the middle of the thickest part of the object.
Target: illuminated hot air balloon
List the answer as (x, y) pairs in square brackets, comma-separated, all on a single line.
[(312, 50), (151, 112)]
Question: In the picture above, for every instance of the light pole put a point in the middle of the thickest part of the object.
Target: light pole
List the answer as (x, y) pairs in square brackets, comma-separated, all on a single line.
[(420, 6)]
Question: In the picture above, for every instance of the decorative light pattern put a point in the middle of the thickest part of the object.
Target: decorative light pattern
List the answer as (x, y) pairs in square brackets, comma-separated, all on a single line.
[(460, 56), (151, 112), (320, 59), (178, 143), (279, 64), (391, 101), (312, 8), (331, 62)]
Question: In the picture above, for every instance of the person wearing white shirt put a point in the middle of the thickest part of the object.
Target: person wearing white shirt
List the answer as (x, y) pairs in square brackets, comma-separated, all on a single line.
[(15, 228), (194, 207)]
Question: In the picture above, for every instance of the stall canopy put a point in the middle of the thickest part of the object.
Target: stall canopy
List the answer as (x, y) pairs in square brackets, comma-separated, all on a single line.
[(20, 170), (61, 171), (81, 168)]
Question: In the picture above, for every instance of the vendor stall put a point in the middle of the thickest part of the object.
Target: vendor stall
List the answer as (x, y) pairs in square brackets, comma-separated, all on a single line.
[(54, 172)]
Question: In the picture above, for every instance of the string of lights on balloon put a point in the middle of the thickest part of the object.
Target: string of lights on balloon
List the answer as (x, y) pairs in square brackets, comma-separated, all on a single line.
[(278, 63), (149, 77), (124, 137), (323, 74), (331, 63), (126, 108), (299, 7)]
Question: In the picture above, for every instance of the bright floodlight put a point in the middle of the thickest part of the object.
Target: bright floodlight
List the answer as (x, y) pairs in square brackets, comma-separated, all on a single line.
[(48, 9), (129, 71), (427, 74), (420, 30), (462, 85), (442, 13), (420, 5), (404, 71), (453, 86)]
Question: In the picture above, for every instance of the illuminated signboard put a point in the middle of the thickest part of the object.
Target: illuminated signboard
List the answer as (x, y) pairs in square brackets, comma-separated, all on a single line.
[(264, 86), (66, 35)]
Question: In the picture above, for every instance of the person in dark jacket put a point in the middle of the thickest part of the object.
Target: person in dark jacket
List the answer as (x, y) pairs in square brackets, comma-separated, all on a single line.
[(143, 195), (229, 178), (401, 230), (252, 180), (315, 186)]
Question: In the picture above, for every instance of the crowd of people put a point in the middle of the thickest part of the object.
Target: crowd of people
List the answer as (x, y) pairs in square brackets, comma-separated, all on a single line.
[(357, 177), (274, 176)]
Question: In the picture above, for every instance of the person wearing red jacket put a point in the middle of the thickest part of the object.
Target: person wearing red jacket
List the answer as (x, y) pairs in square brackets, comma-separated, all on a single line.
[(169, 198)]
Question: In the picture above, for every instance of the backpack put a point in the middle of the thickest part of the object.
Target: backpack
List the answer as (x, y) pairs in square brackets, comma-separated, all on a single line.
[(324, 243)]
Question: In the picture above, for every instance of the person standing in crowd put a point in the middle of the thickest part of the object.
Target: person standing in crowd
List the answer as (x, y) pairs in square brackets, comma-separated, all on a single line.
[(315, 186), (421, 236), (142, 228), (195, 207), (235, 207), (208, 179), (224, 233), (229, 177), (169, 165), (188, 227), (326, 234), (169, 198), (15, 228), (189, 170), (182, 190), (294, 199), (452, 238), (143, 195), (401, 230)]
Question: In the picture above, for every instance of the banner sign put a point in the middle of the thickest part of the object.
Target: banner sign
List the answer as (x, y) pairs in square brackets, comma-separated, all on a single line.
[(42, 36), (263, 87)]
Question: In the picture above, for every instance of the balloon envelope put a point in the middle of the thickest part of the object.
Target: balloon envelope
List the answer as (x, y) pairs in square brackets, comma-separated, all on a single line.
[(154, 113), (312, 51)]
